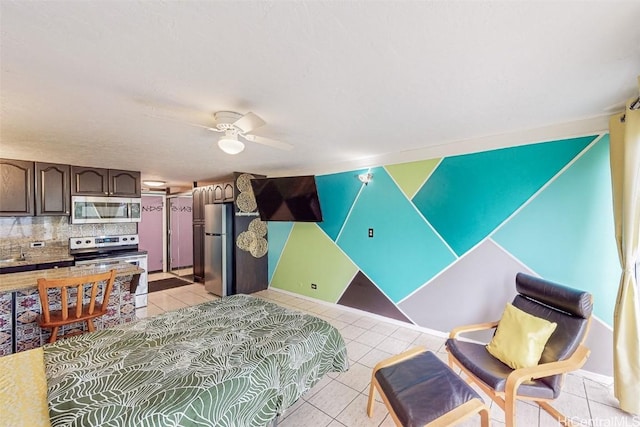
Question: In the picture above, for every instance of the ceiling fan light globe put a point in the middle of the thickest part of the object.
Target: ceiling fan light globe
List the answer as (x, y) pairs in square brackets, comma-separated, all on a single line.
[(230, 146)]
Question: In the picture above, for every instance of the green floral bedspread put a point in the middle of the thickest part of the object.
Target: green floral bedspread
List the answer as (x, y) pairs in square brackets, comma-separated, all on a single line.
[(235, 362)]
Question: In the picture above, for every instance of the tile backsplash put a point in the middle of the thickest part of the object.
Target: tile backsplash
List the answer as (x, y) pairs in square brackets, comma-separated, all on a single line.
[(16, 233)]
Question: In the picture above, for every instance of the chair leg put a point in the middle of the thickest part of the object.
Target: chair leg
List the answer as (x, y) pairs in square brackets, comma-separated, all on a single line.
[(372, 393), (90, 325), (484, 417), (510, 411), (54, 334)]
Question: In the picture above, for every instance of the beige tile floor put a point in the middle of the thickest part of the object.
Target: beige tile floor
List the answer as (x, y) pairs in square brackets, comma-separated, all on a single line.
[(340, 399)]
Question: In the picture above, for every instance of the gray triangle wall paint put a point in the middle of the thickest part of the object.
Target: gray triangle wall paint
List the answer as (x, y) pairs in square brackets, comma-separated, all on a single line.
[(482, 282), (473, 290)]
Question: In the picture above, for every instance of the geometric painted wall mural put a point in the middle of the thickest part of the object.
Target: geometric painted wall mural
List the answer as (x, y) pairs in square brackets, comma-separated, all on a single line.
[(566, 233), (364, 295), (450, 234), (468, 288), (278, 234), (468, 196), (337, 193), (310, 257), (411, 176), (404, 252)]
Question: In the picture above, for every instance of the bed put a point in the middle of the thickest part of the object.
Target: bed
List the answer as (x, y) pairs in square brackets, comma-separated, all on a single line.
[(235, 362)]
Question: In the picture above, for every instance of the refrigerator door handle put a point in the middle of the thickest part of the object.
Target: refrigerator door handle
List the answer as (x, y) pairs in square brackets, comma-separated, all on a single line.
[(224, 265)]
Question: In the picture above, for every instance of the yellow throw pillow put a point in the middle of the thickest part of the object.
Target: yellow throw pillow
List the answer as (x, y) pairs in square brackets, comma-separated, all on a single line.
[(520, 338)]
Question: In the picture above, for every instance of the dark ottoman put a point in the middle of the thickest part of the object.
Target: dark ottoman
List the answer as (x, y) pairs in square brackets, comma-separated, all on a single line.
[(419, 389)]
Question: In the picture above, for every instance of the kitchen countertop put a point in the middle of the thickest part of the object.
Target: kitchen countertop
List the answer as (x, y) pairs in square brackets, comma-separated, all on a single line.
[(29, 279), (33, 260)]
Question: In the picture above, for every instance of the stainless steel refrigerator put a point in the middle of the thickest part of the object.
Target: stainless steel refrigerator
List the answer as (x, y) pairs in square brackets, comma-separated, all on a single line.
[(218, 249)]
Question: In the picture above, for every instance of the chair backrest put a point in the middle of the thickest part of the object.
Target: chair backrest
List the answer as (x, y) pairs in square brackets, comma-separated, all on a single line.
[(74, 300), (569, 308)]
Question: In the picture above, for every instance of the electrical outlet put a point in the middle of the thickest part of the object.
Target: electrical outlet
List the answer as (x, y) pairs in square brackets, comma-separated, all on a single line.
[(314, 286), (371, 232)]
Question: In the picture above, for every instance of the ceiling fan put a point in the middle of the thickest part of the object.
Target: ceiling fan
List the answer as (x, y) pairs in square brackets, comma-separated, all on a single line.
[(234, 126)]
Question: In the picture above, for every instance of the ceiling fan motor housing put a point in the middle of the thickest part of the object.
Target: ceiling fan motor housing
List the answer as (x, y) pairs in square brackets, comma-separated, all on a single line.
[(225, 119)]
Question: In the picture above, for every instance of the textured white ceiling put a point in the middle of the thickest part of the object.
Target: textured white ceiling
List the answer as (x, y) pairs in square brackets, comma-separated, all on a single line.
[(351, 83)]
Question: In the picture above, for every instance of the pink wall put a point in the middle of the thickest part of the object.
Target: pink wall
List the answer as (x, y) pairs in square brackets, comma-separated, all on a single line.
[(181, 222), (150, 230)]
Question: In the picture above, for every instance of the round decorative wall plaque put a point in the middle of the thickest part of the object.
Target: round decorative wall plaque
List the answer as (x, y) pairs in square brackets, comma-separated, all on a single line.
[(259, 249), (246, 202), (259, 227), (244, 182)]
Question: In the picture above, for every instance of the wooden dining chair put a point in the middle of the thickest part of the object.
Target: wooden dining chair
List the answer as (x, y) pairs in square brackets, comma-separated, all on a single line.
[(72, 305)]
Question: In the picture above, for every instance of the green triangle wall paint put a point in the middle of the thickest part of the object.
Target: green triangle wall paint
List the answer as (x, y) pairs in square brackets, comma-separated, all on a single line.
[(411, 176), (310, 256)]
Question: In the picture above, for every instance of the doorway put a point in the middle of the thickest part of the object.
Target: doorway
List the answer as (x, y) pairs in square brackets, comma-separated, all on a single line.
[(180, 235)]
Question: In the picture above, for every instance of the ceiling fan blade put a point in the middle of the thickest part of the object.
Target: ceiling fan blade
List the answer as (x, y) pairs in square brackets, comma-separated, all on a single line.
[(269, 142), (171, 119), (203, 127), (249, 122)]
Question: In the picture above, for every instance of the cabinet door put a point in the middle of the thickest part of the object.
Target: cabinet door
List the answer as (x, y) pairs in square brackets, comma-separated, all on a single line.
[(228, 192), (209, 195), (198, 252), (198, 204), (89, 181), (218, 193), (16, 188), (53, 195), (124, 183)]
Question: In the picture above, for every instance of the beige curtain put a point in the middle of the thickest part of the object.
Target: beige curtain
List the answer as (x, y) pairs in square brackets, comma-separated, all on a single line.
[(625, 176)]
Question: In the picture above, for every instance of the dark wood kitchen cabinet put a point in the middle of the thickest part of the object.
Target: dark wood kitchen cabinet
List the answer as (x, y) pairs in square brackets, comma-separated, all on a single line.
[(229, 192), (124, 183), (16, 188), (52, 189), (88, 181), (209, 195), (198, 252), (218, 193), (223, 192), (198, 204)]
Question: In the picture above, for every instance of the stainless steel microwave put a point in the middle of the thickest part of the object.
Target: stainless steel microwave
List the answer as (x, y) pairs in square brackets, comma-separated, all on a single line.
[(100, 210)]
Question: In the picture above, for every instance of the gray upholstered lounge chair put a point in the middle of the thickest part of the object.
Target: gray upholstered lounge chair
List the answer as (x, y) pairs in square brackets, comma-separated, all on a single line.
[(564, 352)]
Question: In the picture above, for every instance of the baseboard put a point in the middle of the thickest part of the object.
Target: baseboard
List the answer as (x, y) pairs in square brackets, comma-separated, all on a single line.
[(366, 314), (599, 378)]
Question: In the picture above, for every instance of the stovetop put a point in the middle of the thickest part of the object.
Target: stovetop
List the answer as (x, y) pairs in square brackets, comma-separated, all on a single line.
[(103, 242), (83, 248)]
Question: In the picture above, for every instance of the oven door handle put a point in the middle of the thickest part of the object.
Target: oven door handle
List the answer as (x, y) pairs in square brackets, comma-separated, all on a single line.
[(98, 261), (108, 262)]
